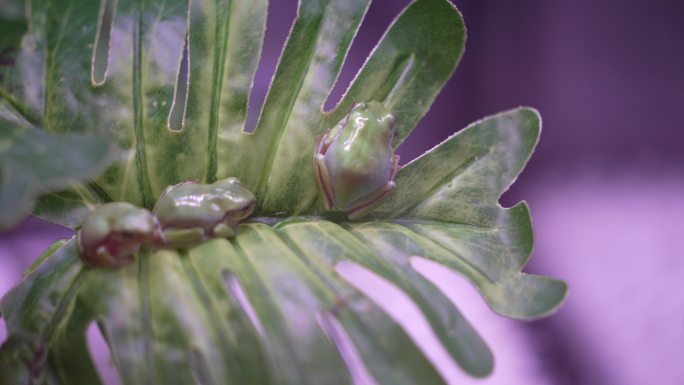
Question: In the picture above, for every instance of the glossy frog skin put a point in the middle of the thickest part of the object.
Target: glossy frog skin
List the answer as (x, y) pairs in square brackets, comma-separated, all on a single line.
[(354, 161), (190, 212), (114, 232)]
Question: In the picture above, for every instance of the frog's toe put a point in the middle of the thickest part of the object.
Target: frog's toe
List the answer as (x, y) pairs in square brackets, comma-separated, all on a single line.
[(222, 230), (183, 237), (324, 185), (104, 259), (368, 204)]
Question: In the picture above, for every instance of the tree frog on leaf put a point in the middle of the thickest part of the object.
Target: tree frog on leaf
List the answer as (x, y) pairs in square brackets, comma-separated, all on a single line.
[(354, 161), (114, 232), (190, 212)]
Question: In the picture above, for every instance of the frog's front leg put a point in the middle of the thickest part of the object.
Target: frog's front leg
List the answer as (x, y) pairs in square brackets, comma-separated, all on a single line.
[(104, 258), (183, 237), (324, 181), (223, 230), (369, 203)]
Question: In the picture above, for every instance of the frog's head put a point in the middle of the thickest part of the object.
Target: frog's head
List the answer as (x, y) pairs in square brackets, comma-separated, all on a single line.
[(372, 122), (113, 232), (240, 202), (135, 226)]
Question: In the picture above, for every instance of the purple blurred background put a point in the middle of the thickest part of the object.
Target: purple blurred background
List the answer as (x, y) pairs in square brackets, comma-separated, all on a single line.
[(606, 185)]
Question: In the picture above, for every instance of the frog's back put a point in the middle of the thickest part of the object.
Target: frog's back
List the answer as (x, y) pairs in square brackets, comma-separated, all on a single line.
[(200, 205), (185, 206)]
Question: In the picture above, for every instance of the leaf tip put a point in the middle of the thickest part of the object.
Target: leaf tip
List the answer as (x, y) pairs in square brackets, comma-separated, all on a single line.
[(533, 117)]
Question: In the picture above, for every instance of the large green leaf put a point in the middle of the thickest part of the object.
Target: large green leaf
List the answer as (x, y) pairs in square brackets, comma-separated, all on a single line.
[(282, 302), (33, 162)]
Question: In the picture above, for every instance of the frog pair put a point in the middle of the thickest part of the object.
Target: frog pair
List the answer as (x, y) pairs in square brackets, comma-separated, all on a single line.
[(185, 214)]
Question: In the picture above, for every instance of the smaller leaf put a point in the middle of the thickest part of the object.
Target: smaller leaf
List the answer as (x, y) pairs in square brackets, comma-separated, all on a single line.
[(45, 294), (34, 162)]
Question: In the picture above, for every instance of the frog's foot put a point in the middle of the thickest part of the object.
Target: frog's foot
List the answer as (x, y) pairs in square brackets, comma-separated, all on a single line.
[(323, 178), (183, 237), (158, 240), (223, 230), (369, 203), (104, 259)]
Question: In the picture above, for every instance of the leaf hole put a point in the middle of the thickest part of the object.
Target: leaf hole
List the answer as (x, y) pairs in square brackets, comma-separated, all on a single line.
[(180, 96), (335, 332), (237, 292), (405, 313), (456, 287), (103, 39), (279, 21), (101, 355), (379, 17)]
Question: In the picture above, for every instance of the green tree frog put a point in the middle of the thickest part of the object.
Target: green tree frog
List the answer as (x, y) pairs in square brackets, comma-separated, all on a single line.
[(22, 360), (354, 161), (190, 212), (114, 232)]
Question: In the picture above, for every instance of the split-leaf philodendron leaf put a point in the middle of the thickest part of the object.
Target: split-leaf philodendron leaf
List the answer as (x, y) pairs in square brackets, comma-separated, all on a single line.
[(281, 302)]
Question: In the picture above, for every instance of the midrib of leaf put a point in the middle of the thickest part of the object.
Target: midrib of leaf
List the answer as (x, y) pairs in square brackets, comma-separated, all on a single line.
[(94, 188), (469, 269), (141, 158), (54, 39), (19, 108), (221, 44), (317, 268), (397, 78), (201, 369), (281, 124), (202, 293), (272, 324), (145, 316), (64, 304), (440, 183)]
